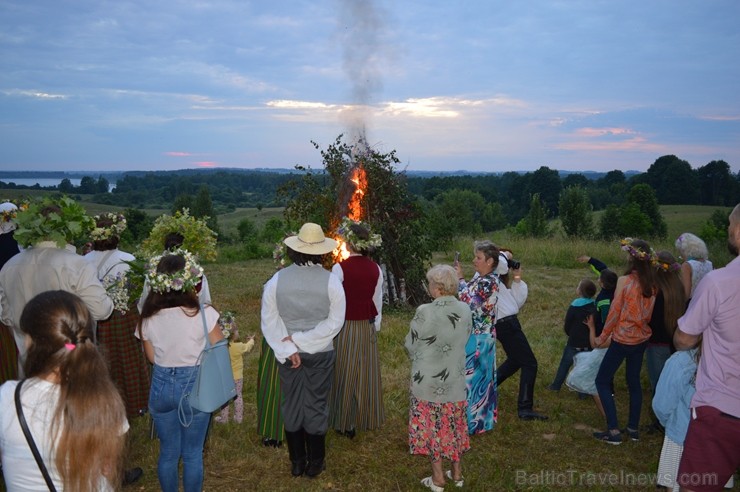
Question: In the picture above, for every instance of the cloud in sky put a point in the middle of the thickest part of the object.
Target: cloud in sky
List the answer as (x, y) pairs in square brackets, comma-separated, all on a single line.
[(483, 86)]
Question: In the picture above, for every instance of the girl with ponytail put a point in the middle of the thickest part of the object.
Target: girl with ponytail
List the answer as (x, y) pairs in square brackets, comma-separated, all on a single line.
[(73, 410)]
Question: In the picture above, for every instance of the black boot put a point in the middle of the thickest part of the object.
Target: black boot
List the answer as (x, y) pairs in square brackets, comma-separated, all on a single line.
[(316, 454), (297, 451), (526, 402)]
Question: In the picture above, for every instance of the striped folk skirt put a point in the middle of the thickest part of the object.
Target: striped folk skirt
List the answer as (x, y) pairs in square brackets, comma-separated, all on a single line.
[(356, 400), (269, 416), (125, 357), (8, 355)]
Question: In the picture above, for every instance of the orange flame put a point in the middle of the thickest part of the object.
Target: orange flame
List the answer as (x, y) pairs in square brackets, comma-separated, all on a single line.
[(354, 208)]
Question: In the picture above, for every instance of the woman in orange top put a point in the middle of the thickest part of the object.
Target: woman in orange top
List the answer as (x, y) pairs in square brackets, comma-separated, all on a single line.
[(627, 326)]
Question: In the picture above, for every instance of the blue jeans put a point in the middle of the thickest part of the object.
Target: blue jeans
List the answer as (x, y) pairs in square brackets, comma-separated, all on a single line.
[(656, 357), (175, 440), (615, 354), (566, 362)]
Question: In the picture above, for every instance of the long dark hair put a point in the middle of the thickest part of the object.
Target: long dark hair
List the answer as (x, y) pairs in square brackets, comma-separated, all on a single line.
[(155, 301), (90, 416), (669, 283)]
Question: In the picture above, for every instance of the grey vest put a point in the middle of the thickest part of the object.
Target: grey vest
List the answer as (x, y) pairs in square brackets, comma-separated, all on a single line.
[(303, 298)]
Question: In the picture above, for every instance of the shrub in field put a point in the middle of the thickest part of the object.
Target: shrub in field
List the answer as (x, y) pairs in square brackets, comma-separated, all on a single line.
[(715, 228), (575, 212), (534, 224), (644, 197)]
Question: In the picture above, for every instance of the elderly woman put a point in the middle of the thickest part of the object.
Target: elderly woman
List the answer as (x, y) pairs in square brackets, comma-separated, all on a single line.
[(303, 309), (696, 263), (481, 295), (436, 344)]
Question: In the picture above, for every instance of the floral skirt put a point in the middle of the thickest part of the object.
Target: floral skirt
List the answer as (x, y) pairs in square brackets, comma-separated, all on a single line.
[(480, 381), (438, 430)]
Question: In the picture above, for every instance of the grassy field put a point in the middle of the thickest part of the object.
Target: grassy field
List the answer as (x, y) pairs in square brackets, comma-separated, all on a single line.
[(516, 455), (557, 454)]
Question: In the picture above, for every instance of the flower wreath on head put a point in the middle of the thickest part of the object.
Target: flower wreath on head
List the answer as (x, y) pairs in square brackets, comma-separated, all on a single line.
[(8, 215), (626, 245), (279, 254), (226, 323), (183, 280), (346, 232), (117, 226), (665, 265)]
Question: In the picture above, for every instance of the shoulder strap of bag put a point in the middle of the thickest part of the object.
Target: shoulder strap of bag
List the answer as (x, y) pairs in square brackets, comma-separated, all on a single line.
[(205, 325), (29, 438), (181, 413)]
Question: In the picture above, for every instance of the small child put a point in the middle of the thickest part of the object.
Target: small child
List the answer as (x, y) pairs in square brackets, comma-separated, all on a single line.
[(236, 350), (578, 337), (608, 282)]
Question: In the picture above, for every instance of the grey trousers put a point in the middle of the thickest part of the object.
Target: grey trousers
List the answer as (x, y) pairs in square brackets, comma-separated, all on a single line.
[(305, 390)]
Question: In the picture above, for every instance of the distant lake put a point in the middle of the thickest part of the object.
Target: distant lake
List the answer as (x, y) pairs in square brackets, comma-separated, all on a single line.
[(40, 181), (45, 182)]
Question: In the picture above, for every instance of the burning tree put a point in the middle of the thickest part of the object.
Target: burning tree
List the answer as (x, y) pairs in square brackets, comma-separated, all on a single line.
[(363, 184)]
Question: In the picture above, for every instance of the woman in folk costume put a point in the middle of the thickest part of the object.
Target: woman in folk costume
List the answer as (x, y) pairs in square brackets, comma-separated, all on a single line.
[(121, 349), (269, 417), (356, 401), (8, 249), (302, 311)]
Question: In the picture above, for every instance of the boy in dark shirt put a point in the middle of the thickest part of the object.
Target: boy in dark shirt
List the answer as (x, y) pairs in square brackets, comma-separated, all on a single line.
[(578, 337), (608, 282)]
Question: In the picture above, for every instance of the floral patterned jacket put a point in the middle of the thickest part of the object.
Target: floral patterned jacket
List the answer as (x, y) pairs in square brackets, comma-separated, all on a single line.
[(436, 344)]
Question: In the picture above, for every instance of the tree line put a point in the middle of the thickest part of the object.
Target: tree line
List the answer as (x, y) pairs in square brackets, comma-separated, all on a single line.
[(451, 205)]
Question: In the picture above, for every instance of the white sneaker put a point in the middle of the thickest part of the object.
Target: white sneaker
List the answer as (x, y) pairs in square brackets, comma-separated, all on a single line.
[(458, 483), (429, 483)]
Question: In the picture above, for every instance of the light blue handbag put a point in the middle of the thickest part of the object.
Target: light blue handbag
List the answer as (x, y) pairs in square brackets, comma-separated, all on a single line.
[(214, 385)]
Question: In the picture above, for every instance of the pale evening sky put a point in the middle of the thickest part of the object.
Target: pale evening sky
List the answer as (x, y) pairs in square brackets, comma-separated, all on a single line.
[(485, 85)]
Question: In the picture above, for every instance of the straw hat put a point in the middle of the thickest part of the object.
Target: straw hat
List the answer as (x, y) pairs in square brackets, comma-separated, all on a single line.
[(311, 240)]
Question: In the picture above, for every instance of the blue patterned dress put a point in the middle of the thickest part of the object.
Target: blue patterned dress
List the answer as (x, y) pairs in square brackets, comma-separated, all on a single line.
[(481, 294)]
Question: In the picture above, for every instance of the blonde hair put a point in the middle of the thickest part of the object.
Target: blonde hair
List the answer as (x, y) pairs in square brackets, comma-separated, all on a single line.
[(690, 246), (444, 277), (90, 416)]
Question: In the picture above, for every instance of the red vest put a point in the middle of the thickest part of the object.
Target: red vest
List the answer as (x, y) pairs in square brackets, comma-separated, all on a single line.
[(360, 278)]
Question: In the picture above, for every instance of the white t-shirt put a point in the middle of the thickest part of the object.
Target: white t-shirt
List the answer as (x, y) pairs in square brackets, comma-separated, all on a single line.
[(177, 338), (109, 263), (39, 399)]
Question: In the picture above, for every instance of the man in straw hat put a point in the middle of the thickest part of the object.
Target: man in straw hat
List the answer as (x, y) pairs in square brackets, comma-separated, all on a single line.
[(303, 308)]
